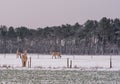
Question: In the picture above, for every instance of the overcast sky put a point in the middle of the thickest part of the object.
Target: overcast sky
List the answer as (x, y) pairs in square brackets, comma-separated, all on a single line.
[(42, 13)]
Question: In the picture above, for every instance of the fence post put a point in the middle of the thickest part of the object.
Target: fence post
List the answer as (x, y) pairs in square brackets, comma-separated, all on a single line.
[(110, 62), (70, 63), (67, 62), (30, 62)]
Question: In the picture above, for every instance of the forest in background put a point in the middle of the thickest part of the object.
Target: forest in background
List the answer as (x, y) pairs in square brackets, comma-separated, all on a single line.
[(91, 38)]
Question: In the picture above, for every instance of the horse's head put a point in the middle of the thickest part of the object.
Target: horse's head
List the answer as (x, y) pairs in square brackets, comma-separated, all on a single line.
[(25, 52), (18, 53)]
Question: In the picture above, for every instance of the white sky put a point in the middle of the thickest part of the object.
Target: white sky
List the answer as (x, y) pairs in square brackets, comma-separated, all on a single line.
[(42, 13)]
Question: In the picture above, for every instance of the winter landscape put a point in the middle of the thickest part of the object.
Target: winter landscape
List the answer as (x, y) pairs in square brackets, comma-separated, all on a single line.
[(75, 61), (85, 69), (59, 42)]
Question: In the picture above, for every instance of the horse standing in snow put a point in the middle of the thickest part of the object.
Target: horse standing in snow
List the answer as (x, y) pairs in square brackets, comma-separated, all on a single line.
[(55, 55), (23, 57)]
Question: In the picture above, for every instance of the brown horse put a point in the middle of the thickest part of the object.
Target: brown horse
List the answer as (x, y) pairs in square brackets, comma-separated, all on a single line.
[(55, 54), (23, 57)]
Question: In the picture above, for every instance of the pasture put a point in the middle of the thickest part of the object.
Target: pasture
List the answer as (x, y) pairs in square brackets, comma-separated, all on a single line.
[(84, 69), (66, 61), (58, 77)]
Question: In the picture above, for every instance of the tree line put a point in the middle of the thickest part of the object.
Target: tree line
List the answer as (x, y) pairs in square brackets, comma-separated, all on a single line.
[(92, 38)]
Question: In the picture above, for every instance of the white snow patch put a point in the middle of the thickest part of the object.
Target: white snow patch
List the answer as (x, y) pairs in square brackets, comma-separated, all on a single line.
[(79, 62)]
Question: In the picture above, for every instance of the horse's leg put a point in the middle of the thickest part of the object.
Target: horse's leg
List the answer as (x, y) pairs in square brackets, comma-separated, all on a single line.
[(24, 63)]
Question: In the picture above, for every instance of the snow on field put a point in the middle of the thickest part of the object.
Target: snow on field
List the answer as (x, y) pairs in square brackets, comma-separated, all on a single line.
[(58, 77), (78, 61), (45, 70)]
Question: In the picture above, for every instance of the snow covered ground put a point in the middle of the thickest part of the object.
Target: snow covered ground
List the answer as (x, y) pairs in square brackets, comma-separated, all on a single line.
[(58, 77), (78, 61), (45, 70)]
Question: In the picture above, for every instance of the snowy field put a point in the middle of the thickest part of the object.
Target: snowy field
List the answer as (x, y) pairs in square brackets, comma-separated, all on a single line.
[(58, 77), (78, 61), (45, 70)]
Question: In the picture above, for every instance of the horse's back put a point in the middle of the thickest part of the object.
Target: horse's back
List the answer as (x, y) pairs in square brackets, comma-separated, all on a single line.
[(56, 54)]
